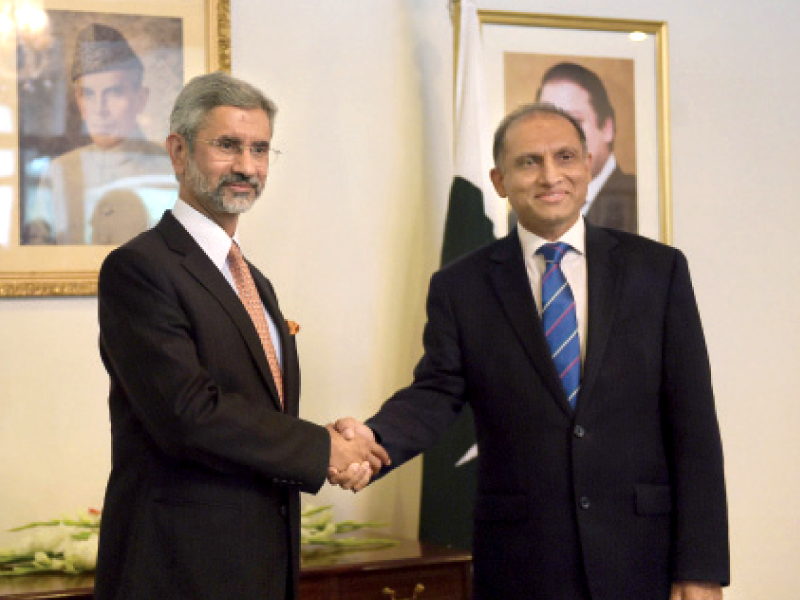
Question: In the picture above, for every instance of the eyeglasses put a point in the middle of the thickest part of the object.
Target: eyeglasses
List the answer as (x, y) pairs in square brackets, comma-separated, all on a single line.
[(226, 148)]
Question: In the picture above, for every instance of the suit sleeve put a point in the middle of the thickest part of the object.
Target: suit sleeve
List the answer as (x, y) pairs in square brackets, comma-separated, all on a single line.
[(700, 544), (162, 390), (412, 420)]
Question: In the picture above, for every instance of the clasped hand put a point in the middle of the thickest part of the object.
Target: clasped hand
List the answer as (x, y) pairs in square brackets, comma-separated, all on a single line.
[(355, 455)]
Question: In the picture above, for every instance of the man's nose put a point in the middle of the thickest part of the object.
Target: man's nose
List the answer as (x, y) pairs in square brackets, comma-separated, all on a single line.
[(101, 105), (244, 162), (549, 173)]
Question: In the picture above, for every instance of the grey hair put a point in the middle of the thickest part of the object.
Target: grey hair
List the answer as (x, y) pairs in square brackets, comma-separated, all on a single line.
[(530, 110), (204, 93)]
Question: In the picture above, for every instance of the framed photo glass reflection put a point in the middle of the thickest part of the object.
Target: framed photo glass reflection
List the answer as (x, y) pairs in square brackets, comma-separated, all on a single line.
[(86, 91)]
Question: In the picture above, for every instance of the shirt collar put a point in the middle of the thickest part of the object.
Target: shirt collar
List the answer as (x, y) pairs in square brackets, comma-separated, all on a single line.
[(575, 236), (208, 235)]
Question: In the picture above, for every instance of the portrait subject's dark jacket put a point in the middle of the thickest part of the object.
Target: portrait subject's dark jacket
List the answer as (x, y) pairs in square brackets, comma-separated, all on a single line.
[(615, 204), (612, 501), (203, 497)]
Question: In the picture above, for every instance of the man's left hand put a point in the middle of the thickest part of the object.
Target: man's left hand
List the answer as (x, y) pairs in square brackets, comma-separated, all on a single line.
[(695, 590)]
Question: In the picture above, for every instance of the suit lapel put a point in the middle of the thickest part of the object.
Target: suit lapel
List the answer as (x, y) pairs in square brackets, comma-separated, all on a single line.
[(604, 268), (512, 286), (197, 263), (290, 366)]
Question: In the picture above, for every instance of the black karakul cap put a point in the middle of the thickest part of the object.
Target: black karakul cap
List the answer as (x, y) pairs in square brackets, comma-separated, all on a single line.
[(101, 48)]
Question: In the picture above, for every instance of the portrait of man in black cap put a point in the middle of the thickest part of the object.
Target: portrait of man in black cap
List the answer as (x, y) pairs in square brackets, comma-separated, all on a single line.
[(111, 189)]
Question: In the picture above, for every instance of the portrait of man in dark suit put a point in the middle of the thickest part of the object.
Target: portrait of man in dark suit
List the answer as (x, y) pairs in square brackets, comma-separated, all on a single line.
[(580, 350), (611, 198)]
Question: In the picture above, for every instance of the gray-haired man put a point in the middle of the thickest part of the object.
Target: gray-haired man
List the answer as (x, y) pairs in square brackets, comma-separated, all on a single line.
[(209, 455)]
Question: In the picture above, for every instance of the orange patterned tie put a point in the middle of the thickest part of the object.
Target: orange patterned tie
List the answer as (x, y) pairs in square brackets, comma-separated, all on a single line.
[(252, 303)]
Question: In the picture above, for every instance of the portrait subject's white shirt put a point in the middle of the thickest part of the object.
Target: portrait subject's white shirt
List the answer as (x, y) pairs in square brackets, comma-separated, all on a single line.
[(216, 244), (75, 184)]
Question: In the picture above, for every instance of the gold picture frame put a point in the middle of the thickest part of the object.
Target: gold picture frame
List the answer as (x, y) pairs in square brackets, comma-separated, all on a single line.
[(200, 33), (513, 42)]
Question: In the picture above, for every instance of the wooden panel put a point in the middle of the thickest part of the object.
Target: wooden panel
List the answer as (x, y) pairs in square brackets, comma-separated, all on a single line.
[(440, 583), (318, 588)]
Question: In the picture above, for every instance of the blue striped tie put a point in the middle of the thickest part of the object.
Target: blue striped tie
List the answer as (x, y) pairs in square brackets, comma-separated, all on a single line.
[(560, 322)]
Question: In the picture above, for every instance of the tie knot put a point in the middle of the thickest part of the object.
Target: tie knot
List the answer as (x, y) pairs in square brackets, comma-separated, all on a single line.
[(554, 252), (235, 253)]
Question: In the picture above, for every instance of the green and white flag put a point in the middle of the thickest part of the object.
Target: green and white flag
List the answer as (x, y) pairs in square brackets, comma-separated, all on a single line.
[(475, 216)]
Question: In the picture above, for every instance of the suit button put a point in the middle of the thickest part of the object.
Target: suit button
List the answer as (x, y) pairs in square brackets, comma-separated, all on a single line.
[(579, 431), (284, 511), (584, 503)]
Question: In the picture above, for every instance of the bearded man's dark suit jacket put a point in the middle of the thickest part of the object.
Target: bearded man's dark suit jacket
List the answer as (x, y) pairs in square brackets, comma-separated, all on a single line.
[(203, 497), (615, 203), (614, 500)]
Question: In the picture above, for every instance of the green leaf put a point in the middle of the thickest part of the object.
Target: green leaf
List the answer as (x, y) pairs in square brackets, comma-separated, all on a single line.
[(309, 511), (355, 543), (348, 526), (53, 523), (11, 559)]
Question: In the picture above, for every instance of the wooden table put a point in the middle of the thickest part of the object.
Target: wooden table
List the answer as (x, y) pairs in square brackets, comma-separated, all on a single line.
[(364, 575), (47, 587), (354, 575)]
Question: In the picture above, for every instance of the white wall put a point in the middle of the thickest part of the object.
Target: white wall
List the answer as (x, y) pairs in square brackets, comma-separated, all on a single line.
[(350, 226)]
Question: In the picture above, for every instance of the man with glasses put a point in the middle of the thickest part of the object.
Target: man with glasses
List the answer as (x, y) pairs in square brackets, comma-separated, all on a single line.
[(209, 455)]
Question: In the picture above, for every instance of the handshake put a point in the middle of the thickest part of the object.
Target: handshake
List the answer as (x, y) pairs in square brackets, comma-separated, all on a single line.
[(355, 455)]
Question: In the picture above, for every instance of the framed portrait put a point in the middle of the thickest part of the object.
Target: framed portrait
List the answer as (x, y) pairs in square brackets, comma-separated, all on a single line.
[(86, 88), (611, 75)]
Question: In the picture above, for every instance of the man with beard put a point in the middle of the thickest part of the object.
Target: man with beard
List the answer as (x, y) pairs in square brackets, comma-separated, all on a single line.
[(209, 455)]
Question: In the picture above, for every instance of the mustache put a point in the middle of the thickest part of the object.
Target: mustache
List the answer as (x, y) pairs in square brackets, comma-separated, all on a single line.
[(239, 178)]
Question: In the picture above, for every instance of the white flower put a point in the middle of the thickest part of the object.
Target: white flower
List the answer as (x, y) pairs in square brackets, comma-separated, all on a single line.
[(81, 554), (45, 539)]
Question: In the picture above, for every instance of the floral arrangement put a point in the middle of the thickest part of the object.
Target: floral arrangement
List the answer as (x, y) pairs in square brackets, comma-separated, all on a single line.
[(69, 545), (317, 528), (66, 546)]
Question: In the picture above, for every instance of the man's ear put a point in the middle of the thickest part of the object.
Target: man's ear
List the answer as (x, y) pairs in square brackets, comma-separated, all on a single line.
[(178, 151), (608, 131), (497, 179)]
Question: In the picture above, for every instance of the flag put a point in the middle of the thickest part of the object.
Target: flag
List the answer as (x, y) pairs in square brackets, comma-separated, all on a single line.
[(475, 216)]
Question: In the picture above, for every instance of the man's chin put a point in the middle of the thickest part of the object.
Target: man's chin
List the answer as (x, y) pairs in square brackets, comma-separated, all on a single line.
[(106, 142), (237, 204)]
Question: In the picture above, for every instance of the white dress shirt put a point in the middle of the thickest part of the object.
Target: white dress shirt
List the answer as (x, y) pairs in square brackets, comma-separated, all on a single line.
[(573, 265), (216, 244)]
